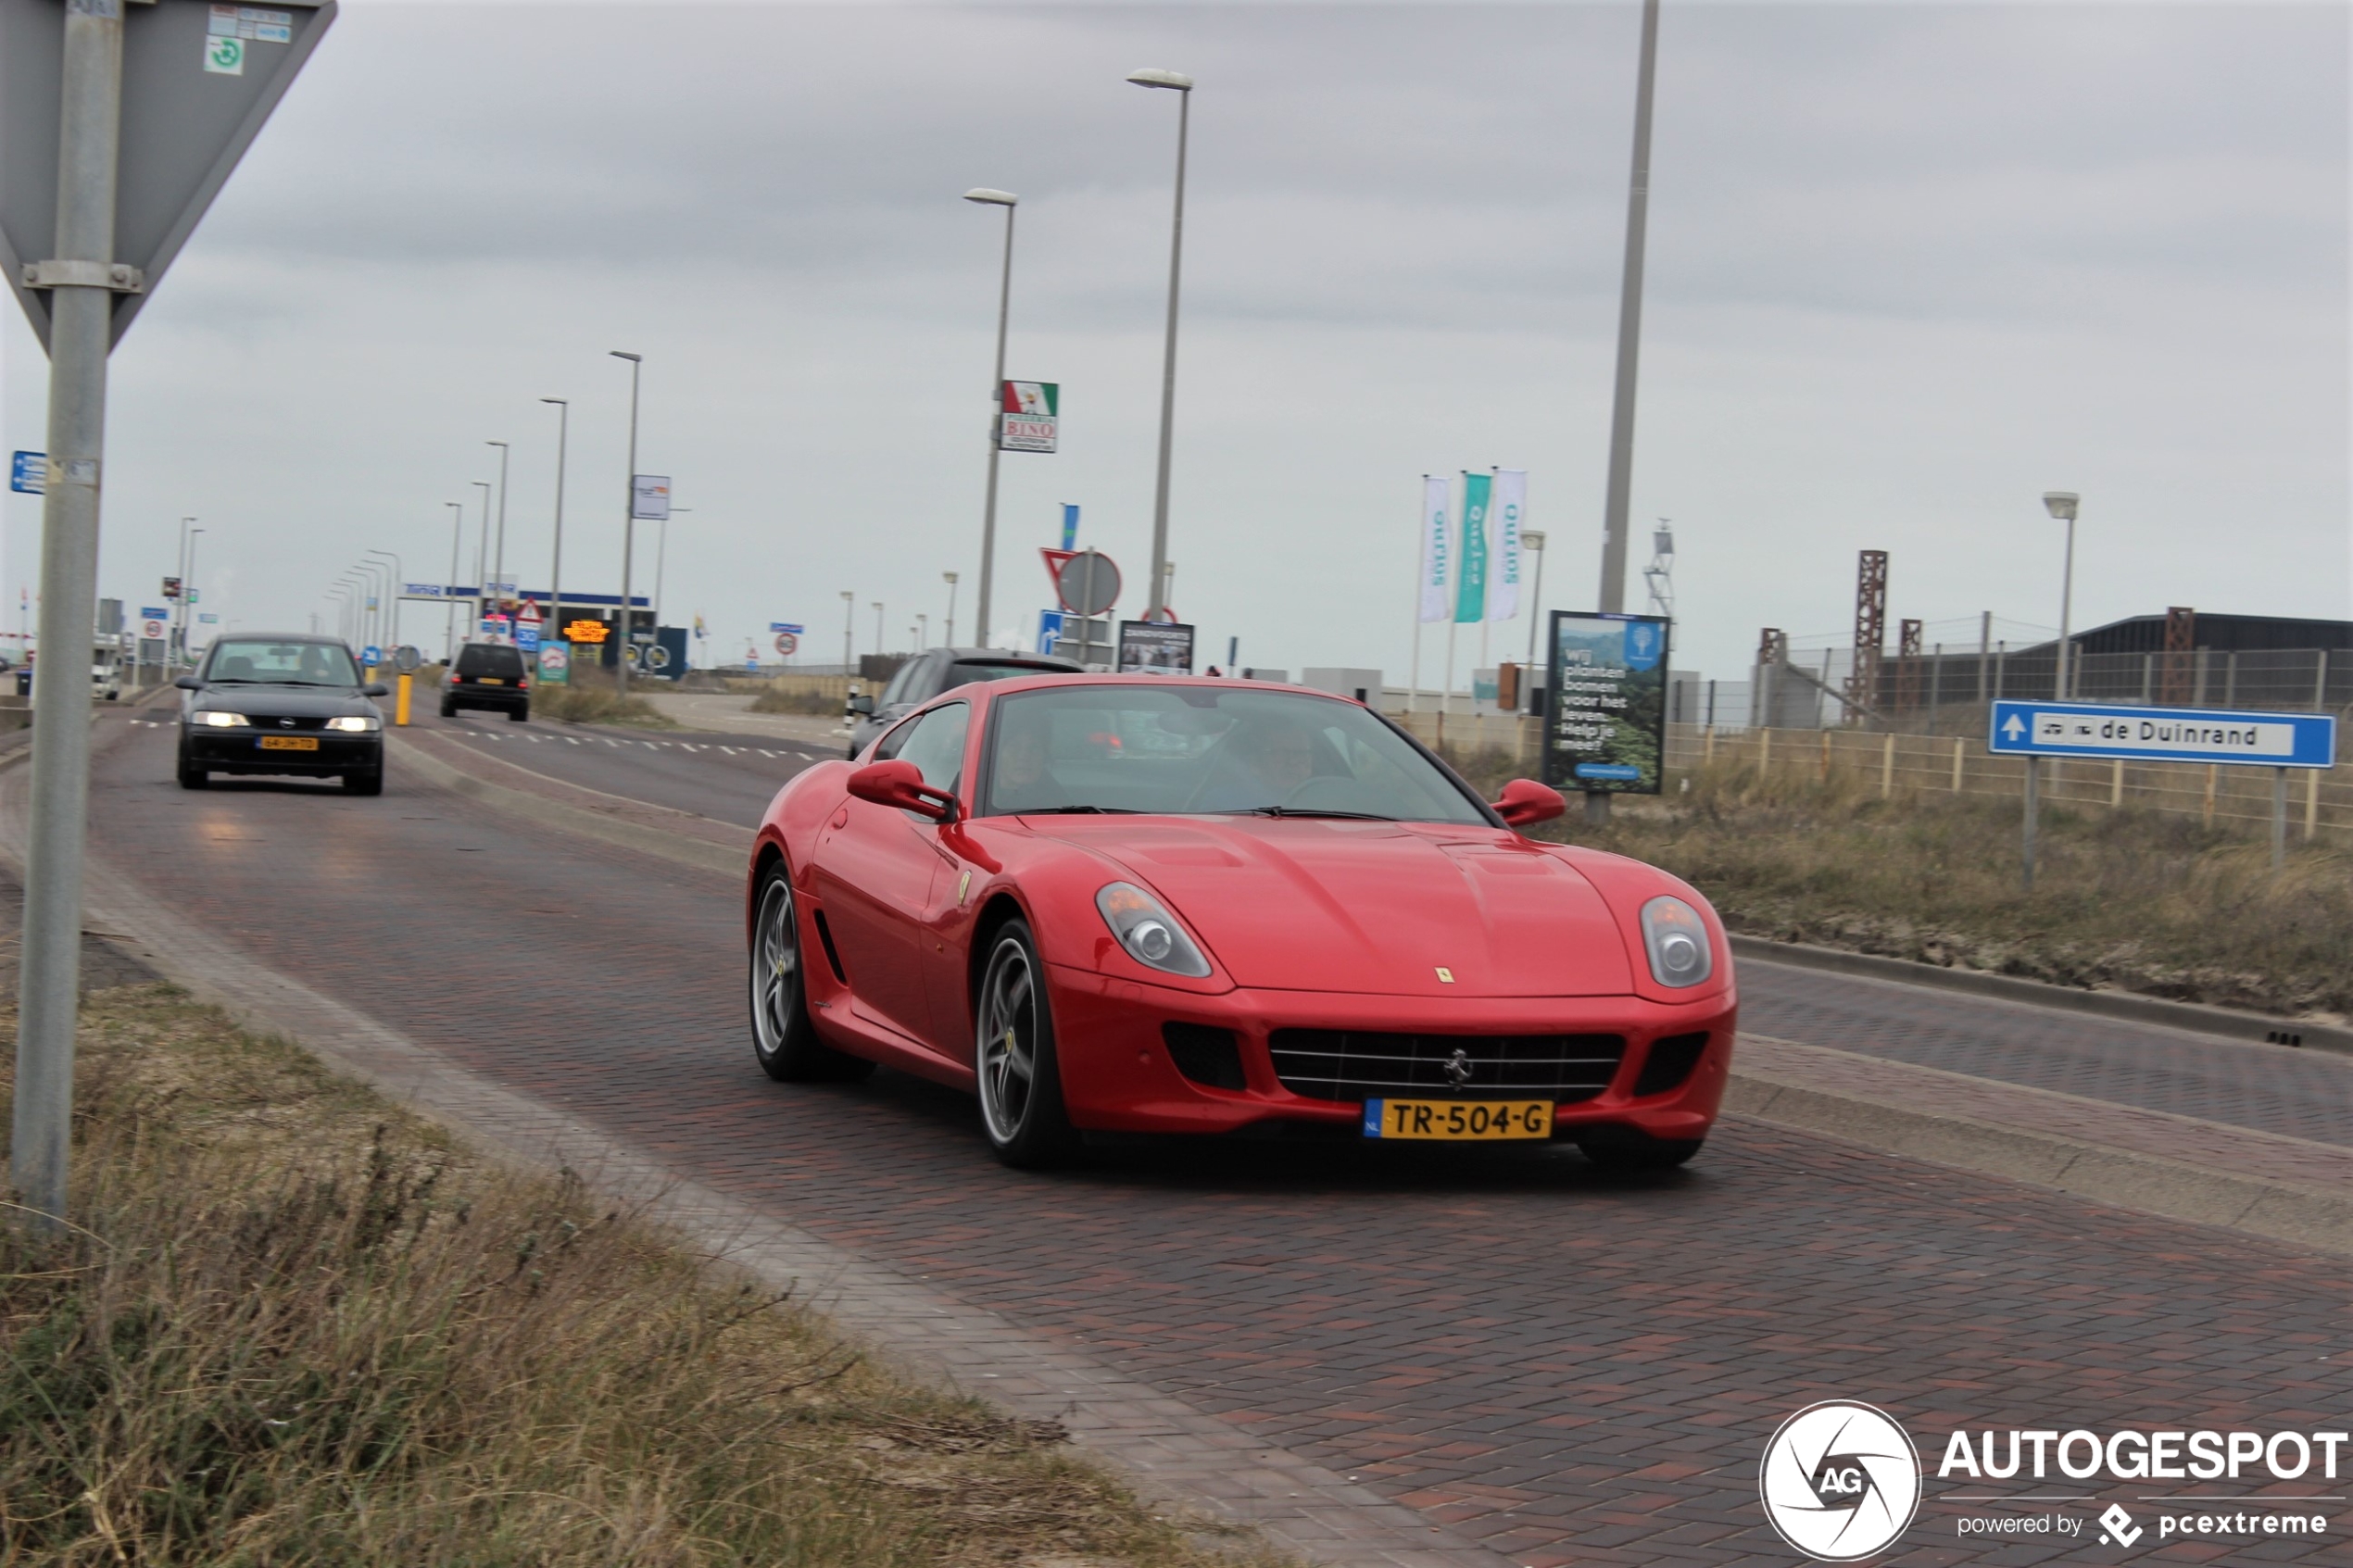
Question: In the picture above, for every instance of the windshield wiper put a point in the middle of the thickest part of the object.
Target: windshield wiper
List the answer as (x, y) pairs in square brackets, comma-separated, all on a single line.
[(1301, 812), (1075, 811)]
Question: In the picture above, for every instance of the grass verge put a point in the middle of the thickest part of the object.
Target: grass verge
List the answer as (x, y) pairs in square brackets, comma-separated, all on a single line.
[(592, 699), (776, 697), (292, 1323), (2128, 899)]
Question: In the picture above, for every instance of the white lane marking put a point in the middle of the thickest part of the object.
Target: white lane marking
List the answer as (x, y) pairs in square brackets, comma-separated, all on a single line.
[(730, 750), (767, 754), (574, 739)]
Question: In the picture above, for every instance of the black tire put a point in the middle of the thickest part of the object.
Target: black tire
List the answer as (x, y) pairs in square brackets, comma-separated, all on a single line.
[(1624, 1150), (192, 776), (784, 1039), (1022, 1113), (519, 714), (371, 782), (448, 708)]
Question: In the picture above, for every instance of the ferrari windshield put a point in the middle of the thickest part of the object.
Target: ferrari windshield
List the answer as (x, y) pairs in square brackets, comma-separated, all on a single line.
[(269, 662), (1187, 749)]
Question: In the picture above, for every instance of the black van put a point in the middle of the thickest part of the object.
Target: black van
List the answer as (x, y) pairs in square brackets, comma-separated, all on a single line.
[(487, 675)]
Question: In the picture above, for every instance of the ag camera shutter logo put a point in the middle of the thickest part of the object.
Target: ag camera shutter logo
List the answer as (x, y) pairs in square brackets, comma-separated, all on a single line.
[(1839, 1481)]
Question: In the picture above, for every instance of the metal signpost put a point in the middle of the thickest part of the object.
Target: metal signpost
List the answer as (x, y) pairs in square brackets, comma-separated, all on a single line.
[(1605, 707), (2122, 733), (94, 207)]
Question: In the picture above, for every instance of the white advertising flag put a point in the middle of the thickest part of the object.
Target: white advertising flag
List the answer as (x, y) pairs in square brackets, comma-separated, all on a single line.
[(1436, 554), (1509, 507)]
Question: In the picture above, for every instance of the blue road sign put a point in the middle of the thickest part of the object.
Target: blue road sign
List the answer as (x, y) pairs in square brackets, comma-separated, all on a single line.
[(29, 473), (371, 656), (786, 627), (1050, 628), (154, 615), (2163, 735), (527, 636)]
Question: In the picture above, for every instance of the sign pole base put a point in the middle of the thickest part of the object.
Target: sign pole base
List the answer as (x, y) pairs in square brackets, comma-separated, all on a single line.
[(2034, 780), (1597, 807)]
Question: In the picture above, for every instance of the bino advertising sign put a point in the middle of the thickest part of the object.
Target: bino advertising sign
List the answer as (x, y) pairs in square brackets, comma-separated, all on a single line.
[(1029, 416)]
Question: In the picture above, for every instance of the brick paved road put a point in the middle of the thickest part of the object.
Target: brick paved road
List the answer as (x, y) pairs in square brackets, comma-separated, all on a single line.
[(1568, 1368)]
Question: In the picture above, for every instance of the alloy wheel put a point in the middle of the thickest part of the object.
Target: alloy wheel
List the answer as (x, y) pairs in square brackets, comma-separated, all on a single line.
[(1008, 1041), (776, 969)]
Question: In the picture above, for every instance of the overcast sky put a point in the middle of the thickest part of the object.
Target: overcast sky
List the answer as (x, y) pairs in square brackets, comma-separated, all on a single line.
[(1911, 265)]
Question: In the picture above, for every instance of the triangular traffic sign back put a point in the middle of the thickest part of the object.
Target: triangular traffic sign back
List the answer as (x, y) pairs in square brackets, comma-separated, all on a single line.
[(198, 80)]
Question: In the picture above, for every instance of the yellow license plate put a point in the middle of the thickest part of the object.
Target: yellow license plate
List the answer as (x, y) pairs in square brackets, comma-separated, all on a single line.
[(490, 680), (289, 743), (1458, 1121)]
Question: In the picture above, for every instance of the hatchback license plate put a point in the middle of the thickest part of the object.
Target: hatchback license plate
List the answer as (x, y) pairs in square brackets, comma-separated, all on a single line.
[(289, 743), (491, 680), (1458, 1121)]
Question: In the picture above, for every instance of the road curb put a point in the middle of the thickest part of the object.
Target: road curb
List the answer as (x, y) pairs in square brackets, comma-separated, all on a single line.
[(573, 820), (2196, 1017), (2119, 1178)]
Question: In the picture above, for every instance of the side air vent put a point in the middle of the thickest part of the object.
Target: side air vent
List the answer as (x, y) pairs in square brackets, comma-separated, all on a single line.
[(1669, 1063), (1205, 1055), (833, 955)]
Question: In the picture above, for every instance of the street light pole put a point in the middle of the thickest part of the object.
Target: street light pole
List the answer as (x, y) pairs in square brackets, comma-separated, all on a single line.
[(1007, 200), (187, 588), (554, 628), (628, 529), (393, 587), (482, 558), (2062, 504), (1533, 539), (498, 560), (180, 605), (456, 532), (879, 630), (950, 638), (1629, 344), (1182, 86), (848, 621)]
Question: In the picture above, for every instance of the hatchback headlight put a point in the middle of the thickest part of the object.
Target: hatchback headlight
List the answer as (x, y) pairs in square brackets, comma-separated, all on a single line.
[(356, 722), (220, 720), (1676, 940), (1149, 932)]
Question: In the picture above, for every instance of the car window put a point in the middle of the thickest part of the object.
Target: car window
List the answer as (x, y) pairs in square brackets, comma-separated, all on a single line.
[(896, 691), (934, 744), (489, 658), (1203, 750), (265, 659)]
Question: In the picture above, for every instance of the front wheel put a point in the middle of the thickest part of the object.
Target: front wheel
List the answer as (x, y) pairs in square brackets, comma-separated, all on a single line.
[(519, 714), (448, 711), (192, 776), (1021, 1084), (369, 782), (783, 1040)]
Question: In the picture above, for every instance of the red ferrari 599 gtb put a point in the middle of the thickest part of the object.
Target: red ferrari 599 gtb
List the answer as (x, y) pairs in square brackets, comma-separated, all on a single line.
[(1151, 904)]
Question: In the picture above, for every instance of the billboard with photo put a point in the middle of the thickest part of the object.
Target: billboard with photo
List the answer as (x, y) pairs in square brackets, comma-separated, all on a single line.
[(1606, 703), (1156, 648)]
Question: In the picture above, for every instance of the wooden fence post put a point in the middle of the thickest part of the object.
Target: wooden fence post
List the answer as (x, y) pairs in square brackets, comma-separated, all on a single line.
[(1887, 768)]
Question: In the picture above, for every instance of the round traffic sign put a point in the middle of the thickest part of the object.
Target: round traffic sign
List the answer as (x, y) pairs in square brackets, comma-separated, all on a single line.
[(406, 658), (786, 644), (1088, 584), (153, 631)]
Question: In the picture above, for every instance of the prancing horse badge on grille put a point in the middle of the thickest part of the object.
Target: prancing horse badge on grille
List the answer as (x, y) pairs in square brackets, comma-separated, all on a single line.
[(1458, 1068)]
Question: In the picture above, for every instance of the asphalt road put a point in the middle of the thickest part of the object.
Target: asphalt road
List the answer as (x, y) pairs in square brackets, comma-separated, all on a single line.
[(1567, 1367)]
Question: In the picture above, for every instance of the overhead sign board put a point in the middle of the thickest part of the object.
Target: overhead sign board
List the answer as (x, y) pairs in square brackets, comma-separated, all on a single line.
[(191, 106), (649, 497), (1606, 704), (2163, 735), (153, 614), (586, 632), (796, 629), (423, 591), (29, 473), (1029, 416)]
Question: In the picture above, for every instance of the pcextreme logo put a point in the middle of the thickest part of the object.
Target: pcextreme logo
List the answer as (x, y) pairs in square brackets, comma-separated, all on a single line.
[(1840, 1481)]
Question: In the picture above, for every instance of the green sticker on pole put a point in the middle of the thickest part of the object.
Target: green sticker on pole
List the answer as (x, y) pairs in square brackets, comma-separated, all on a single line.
[(225, 57)]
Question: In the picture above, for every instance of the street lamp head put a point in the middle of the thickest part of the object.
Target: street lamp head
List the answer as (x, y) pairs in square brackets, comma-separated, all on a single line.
[(847, 595), (1177, 81), (948, 577), (494, 443), (1533, 539), (993, 198), (565, 401), (2060, 504), (624, 354)]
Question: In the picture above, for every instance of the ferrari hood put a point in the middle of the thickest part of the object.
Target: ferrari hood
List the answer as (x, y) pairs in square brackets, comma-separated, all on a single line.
[(1313, 904)]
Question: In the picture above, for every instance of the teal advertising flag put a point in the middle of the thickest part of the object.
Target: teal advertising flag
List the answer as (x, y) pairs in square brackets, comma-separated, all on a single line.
[(1470, 602)]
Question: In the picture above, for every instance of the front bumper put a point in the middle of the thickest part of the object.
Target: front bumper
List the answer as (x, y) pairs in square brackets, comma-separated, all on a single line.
[(240, 751), (1119, 1075)]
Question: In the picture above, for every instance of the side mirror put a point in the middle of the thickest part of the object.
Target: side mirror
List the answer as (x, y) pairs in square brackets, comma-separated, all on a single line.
[(864, 704), (900, 784), (189, 684), (375, 688), (1524, 803)]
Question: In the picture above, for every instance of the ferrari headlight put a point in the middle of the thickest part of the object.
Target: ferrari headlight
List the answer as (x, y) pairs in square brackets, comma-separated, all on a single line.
[(1676, 940), (356, 722), (220, 720), (1149, 932)]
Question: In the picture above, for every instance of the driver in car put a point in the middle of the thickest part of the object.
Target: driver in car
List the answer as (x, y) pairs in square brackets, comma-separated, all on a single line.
[(1024, 781), (1261, 763)]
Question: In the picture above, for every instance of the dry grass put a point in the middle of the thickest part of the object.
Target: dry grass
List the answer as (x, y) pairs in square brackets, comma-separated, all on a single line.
[(594, 699), (2126, 899), (777, 697), (292, 1324)]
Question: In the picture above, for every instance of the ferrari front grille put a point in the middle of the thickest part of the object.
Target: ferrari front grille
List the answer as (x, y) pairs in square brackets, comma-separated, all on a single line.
[(1357, 1065)]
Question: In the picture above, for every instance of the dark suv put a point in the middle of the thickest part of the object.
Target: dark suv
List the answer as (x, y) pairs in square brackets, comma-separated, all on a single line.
[(487, 675), (933, 672)]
